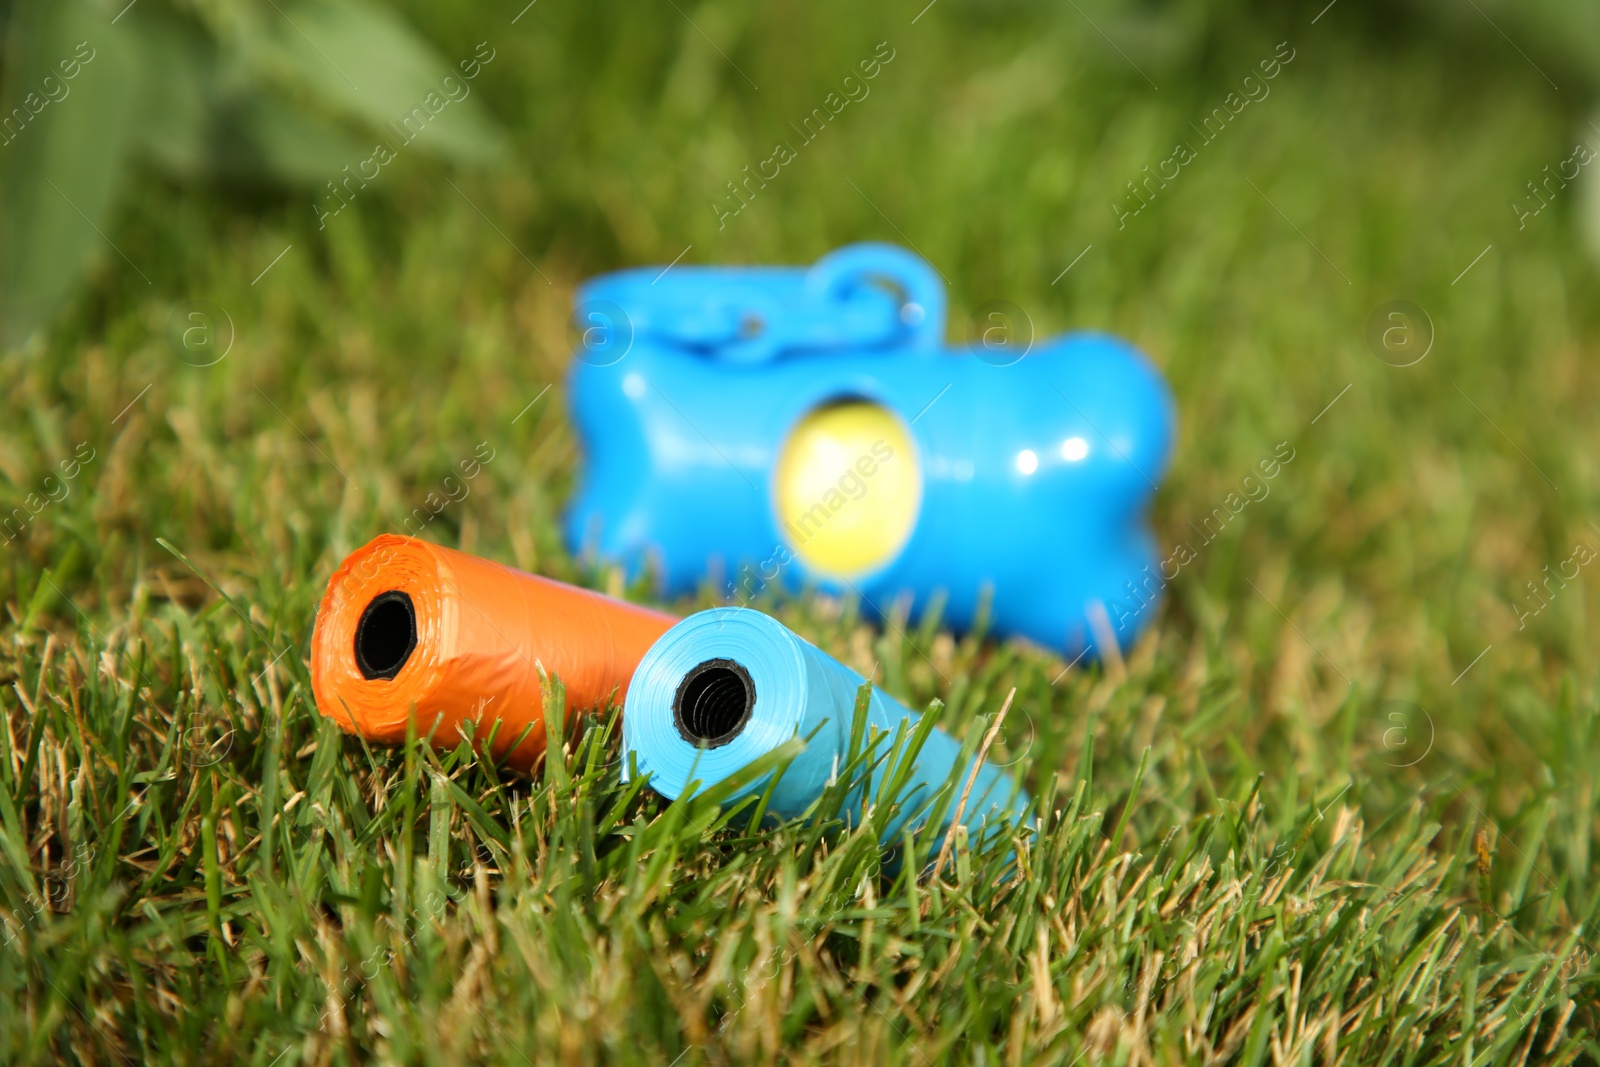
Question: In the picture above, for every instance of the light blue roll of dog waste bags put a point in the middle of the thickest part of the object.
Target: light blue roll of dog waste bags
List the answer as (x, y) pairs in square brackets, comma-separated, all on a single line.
[(726, 686)]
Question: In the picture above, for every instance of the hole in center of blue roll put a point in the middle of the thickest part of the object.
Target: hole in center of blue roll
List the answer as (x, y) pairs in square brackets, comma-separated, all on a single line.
[(713, 703)]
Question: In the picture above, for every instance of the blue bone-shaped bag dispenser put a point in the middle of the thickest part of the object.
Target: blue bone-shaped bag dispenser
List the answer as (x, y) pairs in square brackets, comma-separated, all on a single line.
[(781, 426)]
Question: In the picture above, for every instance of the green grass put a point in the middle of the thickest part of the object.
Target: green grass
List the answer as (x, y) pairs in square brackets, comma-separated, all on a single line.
[(1292, 826)]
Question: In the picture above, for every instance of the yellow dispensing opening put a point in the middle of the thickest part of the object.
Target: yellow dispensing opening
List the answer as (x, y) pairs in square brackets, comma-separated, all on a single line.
[(847, 488)]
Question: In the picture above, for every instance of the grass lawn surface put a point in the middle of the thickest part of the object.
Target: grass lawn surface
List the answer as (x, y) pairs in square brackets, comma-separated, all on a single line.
[(1337, 807)]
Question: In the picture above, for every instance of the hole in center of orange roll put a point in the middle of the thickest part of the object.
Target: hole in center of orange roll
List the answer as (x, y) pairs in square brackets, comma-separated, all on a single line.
[(713, 703), (386, 635)]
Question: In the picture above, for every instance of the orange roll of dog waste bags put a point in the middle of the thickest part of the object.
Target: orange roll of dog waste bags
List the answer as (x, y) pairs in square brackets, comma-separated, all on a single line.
[(409, 624)]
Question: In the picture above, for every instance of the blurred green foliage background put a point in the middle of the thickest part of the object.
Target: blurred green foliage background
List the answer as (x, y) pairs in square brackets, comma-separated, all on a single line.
[(621, 124)]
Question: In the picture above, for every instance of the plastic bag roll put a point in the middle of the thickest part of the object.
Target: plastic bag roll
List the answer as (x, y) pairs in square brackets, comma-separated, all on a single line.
[(408, 626), (726, 686)]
